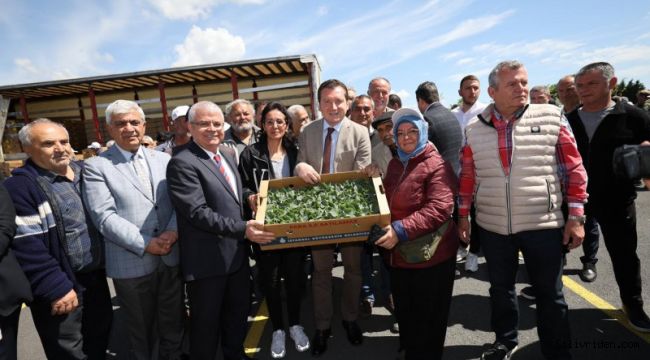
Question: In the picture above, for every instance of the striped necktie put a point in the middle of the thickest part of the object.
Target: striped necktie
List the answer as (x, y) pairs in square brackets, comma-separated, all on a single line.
[(222, 170)]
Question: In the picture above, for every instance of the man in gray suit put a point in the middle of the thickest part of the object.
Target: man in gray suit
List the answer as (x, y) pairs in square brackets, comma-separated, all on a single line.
[(125, 189), (328, 145)]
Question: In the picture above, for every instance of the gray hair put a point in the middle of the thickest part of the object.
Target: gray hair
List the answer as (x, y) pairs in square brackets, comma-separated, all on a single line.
[(25, 133), (119, 107), (493, 78), (541, 88), (239, 102), (203, 105), (606, 69), (293, 110), (362, 96), (377, 79)]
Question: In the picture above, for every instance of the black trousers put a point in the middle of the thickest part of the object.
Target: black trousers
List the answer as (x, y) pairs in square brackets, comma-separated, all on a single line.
[(618, 224), (273, 266), (83, 333), (220, 307), (9, 329), (60, 334), (97, 314), (422, 300)]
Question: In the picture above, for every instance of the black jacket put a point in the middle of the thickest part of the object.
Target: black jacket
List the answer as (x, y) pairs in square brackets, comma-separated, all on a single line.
[(624, 125), (14, 286), (255, 166)]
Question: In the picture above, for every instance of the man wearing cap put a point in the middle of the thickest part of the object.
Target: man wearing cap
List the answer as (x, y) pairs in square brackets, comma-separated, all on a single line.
[(444, 129), (518, 196), (385, 151), (382, 154), (181, 135), (95, 147), (328, 145)]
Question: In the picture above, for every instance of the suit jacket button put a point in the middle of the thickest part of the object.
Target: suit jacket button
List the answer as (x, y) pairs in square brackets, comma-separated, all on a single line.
[(156, 207), (155, 230)]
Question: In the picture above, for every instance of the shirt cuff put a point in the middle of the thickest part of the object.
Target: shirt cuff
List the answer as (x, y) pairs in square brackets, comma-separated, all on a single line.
[(399, 230), (577, 209)]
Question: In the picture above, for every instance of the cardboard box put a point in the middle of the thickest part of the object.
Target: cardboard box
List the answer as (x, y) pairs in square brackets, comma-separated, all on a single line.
[(322, 231)]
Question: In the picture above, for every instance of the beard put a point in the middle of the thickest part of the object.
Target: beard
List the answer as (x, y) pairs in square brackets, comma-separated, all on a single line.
[(243, 127)]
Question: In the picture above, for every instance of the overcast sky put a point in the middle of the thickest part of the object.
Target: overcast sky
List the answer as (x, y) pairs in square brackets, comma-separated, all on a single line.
[(407, 42)]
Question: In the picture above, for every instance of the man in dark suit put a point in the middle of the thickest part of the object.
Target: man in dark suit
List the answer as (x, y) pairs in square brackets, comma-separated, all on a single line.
[(333, 144), (444, 129), (206, 192)]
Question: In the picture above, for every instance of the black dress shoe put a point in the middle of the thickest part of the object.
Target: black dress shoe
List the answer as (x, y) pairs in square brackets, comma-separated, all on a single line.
[(588, 272), (355, 337), (319, 342)]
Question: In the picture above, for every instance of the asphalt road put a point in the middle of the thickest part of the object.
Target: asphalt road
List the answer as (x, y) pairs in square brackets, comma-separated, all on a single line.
[(599, 330)]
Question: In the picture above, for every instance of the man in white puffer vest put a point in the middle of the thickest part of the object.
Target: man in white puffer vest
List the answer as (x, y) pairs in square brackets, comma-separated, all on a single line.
[(518, 164)]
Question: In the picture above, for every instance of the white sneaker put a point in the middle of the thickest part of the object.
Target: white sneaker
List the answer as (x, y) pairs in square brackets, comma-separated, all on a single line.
[(461, 254), (298, 336), (471, 263), (277, 344)]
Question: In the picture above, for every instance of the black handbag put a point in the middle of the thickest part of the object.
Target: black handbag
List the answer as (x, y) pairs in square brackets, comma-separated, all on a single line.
[(632, 162), (423, 248)]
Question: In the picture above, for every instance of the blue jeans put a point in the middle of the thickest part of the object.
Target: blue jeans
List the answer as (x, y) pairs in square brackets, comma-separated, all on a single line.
[(542, 250), (367, 285)]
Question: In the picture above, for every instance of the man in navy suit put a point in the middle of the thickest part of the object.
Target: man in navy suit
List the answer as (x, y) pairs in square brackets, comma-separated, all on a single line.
[(206, 192)]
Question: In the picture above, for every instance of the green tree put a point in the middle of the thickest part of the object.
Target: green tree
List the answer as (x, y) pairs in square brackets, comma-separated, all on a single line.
[(629, 89)]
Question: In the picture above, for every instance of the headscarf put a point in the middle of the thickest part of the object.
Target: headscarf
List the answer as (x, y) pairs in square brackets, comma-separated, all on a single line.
[(421, 125)]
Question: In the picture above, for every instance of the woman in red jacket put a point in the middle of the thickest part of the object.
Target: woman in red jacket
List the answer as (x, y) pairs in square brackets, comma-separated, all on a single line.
[(420, 187)]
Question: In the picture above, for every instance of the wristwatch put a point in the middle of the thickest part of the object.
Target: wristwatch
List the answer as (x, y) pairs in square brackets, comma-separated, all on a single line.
[(579, 218)]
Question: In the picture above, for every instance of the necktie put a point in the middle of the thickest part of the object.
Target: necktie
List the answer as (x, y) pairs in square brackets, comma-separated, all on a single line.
[(142, 173), (222, 170), (327, 151)]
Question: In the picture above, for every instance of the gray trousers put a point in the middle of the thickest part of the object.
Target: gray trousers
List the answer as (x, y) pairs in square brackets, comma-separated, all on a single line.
[(153, 308), (322, 283)]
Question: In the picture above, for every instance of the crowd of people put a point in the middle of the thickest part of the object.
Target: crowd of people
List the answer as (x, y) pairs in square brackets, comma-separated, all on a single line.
[(174, 223)]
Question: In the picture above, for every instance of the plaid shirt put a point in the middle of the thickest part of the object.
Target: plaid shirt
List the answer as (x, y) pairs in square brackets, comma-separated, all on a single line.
[(67, 197), (571, 173)]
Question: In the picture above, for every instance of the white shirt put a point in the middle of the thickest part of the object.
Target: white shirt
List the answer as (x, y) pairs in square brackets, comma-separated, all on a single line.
[(464, 117)]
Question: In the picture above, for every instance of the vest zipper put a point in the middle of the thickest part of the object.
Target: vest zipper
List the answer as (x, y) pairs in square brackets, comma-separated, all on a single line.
[(548, 194)]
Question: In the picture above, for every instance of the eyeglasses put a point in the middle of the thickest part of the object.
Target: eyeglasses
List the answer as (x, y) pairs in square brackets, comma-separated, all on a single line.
[(146, 144), (123, 123), (206, 124), (279, 123), (410, 133)]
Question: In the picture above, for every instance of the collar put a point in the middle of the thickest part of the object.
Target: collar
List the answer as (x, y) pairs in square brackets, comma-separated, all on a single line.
[(128, 155), (52, 177), (517, 114), (336, 127), (210, 153)]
